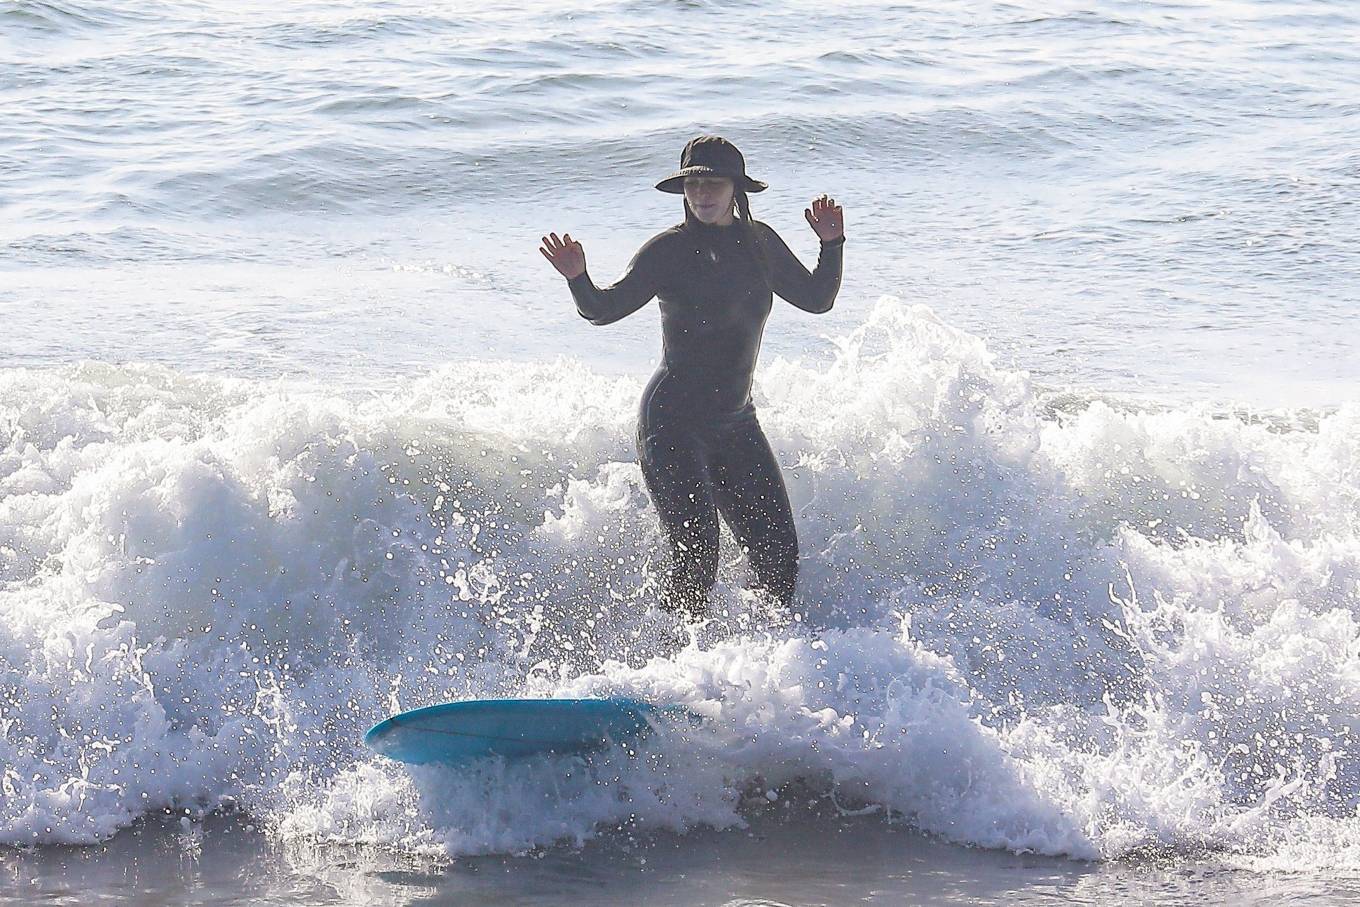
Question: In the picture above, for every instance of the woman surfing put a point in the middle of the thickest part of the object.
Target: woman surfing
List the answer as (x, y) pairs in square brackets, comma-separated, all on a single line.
[(700, 445)]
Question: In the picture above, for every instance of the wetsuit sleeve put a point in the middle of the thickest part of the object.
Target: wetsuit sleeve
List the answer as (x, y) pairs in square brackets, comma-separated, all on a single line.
[(637, 286), (813, 291)]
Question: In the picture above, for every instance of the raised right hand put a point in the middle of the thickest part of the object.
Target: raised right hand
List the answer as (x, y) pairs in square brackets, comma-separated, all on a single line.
[(566, 255)]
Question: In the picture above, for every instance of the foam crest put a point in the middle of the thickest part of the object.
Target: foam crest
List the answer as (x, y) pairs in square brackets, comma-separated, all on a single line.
[(1027, 619)]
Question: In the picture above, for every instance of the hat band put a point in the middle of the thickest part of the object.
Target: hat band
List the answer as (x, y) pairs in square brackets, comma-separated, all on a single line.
[(675, 183)]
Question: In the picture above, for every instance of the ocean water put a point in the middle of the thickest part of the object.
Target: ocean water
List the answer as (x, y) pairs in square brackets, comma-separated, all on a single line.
[(297, 429)]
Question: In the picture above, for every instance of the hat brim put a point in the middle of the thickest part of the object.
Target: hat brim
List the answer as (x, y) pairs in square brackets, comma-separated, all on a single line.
[(675, 183)]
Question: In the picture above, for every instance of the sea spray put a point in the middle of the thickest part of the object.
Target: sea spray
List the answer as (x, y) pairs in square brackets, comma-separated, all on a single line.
[(1028, 618)]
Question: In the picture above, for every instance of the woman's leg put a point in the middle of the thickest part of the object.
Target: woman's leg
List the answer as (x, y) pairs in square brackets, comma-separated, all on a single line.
[(749, 491), (677, 479)]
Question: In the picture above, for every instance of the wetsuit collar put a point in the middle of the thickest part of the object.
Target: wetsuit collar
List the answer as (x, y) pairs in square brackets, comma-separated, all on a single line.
[(711, 229)]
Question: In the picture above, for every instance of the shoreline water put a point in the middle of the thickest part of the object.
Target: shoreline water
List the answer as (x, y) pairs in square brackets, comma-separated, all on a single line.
[(225, 859)]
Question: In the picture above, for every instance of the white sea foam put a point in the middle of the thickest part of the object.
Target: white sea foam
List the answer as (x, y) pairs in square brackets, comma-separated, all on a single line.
[(1030, 620)]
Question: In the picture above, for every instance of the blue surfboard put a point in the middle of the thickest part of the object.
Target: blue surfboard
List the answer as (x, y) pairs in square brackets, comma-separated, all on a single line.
[(455, 733)]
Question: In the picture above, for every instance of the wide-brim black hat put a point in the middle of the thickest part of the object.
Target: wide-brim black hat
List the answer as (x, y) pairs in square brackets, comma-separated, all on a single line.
[(711, 155)]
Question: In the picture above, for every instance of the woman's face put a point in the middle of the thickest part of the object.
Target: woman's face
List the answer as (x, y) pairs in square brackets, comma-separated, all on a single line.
[(710, 198)]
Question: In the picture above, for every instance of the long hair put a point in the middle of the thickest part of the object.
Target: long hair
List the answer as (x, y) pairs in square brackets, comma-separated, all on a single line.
[(746, 224)]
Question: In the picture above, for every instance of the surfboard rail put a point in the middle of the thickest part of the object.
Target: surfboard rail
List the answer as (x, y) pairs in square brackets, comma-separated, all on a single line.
[(455, 733)]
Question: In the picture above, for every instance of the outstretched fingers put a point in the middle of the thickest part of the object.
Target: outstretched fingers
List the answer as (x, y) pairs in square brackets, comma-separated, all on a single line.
[(563, 253), (554, 246), (825, 216)]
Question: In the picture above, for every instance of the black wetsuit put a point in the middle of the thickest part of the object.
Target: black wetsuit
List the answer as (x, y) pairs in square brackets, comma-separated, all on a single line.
[(701, 448)]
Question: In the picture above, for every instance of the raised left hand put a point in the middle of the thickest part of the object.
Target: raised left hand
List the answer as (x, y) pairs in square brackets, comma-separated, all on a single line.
[(826, 218)]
